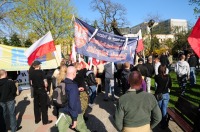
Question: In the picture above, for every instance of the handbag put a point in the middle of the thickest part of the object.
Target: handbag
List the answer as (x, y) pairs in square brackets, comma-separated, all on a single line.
[(159, 96)]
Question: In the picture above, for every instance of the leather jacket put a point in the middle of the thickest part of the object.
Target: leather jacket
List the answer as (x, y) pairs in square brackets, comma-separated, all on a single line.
[(90, 78)]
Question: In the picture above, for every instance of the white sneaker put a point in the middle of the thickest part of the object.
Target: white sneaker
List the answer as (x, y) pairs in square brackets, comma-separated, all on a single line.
[(90, 105)]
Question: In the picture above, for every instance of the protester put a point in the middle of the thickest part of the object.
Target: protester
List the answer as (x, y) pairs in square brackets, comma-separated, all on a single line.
[(72, 111), (7, 100), (83, 89), (142, 68), (60, 78), (49, 74), (156, 65), (137, 110), (101, 75), (124, 77), (192, 63), (39, 83), (164, 85), (55, 74), (164, 60), (31, 69), (92, 84), (182, 70), (151, 72), (143, 85), (109, 69), (117, 78)]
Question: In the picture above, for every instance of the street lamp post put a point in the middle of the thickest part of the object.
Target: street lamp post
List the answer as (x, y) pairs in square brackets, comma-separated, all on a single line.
[(150, 25)]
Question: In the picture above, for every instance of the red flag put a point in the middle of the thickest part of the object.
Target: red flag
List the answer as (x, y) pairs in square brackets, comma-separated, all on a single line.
[(194, 38), (140, 45), (41, 47)]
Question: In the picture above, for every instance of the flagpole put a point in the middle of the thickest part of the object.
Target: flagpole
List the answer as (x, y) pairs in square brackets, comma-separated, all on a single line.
[(56, 58)]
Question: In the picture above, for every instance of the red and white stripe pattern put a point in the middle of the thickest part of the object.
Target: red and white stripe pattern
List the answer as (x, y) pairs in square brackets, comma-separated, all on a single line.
[(140, 45), (41, 47)]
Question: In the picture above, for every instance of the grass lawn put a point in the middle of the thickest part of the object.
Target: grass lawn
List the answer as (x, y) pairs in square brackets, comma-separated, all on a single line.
[(192, 93)]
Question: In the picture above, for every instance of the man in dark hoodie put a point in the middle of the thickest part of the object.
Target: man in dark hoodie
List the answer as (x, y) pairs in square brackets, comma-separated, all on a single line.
[(193, 63), (72, 111), (7, 99), (124, 77)]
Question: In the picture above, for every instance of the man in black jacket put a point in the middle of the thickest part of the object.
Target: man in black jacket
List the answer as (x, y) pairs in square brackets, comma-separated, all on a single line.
[(39, 83), (151, 72), (92, 84), (7, 99), (193, 63)]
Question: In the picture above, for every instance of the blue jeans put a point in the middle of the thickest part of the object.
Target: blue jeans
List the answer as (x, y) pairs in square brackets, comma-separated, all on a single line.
[(109, 87), (192, 75), (93, 91), (10, 105), (163, 104)]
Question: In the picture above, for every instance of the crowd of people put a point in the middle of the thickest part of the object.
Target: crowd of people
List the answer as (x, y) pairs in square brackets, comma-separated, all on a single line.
[(129, 85)]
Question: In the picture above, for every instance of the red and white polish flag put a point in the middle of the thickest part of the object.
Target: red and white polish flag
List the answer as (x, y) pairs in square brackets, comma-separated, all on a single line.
[(140, 45), (41, 47)]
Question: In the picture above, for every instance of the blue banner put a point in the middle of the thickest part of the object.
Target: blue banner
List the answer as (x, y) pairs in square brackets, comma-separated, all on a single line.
[(102, 45)]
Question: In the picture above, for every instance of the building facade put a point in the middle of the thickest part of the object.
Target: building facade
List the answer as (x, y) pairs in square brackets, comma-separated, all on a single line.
[(162, 30)]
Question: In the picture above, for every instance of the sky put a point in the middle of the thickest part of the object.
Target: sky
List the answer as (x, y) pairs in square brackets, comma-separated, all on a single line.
[(137, 10)]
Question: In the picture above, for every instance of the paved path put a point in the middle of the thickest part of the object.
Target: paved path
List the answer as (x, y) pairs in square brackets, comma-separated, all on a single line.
[(100, 117)]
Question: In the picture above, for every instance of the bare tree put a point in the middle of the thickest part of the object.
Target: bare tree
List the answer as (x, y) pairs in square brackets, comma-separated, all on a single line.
[(196, 4), (109, 12), (5, 7)]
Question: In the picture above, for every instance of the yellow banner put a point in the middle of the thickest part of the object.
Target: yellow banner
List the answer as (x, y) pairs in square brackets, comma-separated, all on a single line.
[(13, 58)]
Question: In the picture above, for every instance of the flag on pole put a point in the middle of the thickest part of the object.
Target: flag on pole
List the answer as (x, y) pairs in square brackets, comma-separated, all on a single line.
[(73, 53), (140, 45), (194, 38), (41, 47)]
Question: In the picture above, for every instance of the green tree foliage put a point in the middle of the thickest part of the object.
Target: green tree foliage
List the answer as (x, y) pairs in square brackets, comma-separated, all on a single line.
[(155, 42), (15, 41), (28, 43), (180, 42), (169, 44), (41, 16), (109, 12), (5, 41)]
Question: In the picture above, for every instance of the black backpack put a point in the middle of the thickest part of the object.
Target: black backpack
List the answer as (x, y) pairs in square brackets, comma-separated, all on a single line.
[(59, 96)]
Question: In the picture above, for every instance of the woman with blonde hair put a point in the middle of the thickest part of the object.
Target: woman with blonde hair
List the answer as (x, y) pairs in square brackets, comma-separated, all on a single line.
[(60, 82), (62, 74)]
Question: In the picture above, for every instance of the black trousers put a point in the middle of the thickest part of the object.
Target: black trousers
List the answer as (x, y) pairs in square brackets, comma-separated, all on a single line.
[(40, 106)]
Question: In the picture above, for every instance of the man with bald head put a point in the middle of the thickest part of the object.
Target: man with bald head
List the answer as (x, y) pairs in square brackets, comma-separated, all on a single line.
[(137, 110), (72, 110)]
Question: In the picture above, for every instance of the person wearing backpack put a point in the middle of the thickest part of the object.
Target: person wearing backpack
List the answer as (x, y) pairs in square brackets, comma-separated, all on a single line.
[(92, 84), (182, 70), (73, 116), (59, 96)]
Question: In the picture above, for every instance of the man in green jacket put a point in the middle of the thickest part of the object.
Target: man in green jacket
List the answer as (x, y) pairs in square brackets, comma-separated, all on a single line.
[(137, 110)]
